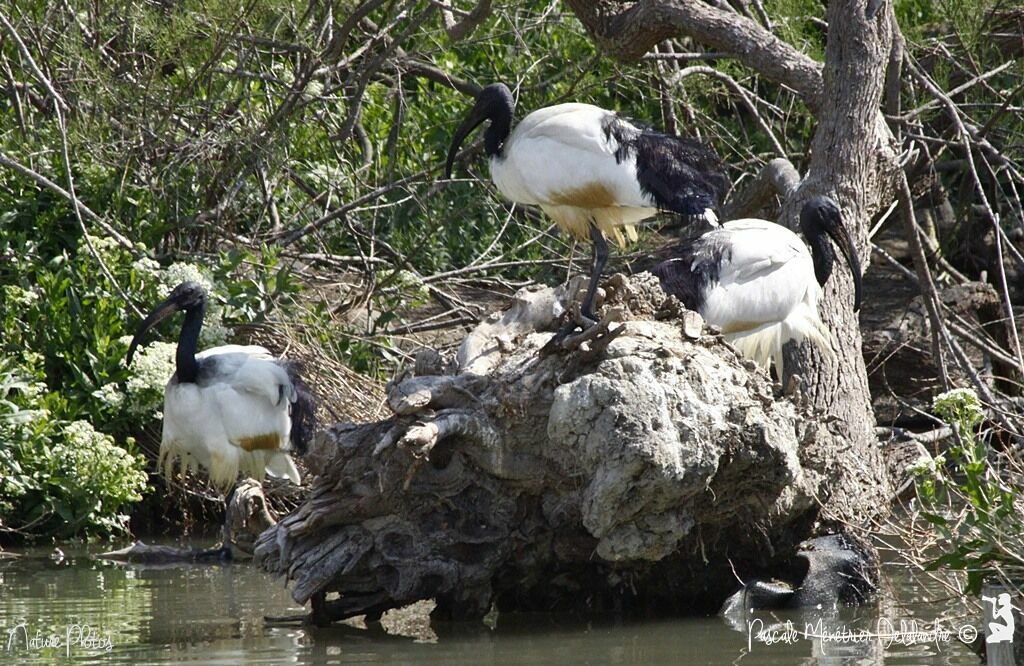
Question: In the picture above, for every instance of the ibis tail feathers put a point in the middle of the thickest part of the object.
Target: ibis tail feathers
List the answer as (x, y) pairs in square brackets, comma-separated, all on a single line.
[(280, 464), (303, 412), (763, 344)]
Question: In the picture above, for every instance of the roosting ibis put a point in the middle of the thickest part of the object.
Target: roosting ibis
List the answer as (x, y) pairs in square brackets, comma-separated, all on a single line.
[(593, 172), (231, 408), (756, 280)]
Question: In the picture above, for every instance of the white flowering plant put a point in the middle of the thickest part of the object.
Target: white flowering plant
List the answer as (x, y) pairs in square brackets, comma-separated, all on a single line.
[(72, 407), (60, 478), (971, 498)]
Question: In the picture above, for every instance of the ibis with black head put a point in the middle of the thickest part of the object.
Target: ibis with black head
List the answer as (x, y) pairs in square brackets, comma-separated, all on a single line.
[(758, 283), (231, 408), (592, 171)]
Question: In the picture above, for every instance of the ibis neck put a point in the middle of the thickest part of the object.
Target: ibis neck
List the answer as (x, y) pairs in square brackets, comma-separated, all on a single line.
[(822, 254), (499, 129), (188, 342)]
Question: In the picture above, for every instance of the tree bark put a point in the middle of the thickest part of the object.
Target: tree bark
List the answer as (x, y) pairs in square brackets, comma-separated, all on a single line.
[(851, 160), (627, 31)]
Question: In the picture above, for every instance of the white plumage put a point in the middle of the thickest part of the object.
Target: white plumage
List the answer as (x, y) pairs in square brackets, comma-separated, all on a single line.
[(560, 159), (593, 172), (222, 424), (758, 283), (229, 409)]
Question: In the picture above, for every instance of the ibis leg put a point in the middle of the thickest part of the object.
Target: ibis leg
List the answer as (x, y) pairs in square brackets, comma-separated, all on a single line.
[(600, 257)]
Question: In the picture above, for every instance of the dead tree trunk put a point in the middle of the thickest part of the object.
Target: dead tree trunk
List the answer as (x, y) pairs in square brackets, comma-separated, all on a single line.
[(638, 469)]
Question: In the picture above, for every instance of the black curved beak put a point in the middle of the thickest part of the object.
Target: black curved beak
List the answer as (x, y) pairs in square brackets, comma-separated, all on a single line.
[(476, 116), (161, 312), (841, 237)]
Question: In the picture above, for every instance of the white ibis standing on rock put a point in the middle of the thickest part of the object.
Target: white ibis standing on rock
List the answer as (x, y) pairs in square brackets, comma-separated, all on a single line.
[(231, 408), (756, 280), (592, 171)]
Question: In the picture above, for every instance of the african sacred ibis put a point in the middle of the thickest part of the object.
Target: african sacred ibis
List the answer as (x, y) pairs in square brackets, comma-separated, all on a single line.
[(756, 280), (592, 171), (231, 408)]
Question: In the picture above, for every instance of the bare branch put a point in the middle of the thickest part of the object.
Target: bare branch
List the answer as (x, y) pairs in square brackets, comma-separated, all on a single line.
[(924, 280), (459, 30), (438, 75), (42, 180), (777, 178), (629, 32), (740, 91), (931, 104), (27, 55), (965, 136)]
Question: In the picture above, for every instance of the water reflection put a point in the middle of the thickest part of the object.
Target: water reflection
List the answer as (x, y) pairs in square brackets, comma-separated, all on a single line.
[(214, 615)]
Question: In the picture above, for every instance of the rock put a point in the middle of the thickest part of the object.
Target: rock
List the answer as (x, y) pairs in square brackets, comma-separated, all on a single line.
[(639, 466), (693, 324)]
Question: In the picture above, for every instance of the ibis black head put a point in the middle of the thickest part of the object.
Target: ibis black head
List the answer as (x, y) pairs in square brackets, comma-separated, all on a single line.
[(821, 214), (188, 296), (494, 103)]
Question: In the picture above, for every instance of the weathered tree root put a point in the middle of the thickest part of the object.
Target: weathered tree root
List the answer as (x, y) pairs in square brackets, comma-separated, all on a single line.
[(633, 469)]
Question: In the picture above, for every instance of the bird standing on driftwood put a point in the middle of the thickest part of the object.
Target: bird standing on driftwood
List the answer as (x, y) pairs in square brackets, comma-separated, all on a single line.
[(593, 172), (231, 408), (757, 282)]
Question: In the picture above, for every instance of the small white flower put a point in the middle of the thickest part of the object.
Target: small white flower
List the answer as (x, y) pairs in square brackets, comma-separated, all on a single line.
[(18, 296), (313, 90), (146, 266), (214, 332), (150, 371), (960, 404), (109, 394), (180, 272), (923, 466), (105, 246)]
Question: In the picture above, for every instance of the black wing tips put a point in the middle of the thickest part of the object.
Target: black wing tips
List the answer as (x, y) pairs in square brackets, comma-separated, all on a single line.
[(678, 279), (683, 175), (668, 273), (303, 410), (303, 418)]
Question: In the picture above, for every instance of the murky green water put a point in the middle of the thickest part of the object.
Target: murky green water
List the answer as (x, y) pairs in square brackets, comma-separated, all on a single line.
[(214, 615)]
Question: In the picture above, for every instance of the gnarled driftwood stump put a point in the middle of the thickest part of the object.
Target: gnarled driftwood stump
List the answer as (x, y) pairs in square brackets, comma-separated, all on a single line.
[(633, 467)]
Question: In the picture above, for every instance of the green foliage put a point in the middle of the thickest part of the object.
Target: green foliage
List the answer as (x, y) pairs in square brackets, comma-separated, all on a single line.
[(59, 477), (973, 507), (70, 328)]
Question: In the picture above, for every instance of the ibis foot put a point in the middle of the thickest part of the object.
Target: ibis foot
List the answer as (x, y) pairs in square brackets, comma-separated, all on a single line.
[(588, 335)]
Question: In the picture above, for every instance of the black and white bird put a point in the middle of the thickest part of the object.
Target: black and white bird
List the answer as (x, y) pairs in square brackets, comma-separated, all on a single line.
[(229, 409), (757, 282), (593, 172)]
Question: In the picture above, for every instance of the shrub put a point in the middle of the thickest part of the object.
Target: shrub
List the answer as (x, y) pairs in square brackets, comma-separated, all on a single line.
[(58, 477), (973, 502)]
